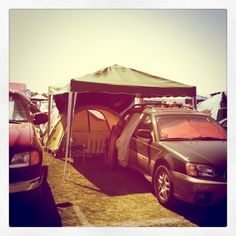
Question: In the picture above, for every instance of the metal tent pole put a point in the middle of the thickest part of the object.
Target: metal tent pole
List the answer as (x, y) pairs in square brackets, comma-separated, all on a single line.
[(194, 102), (74, 97), (49, 113), (68, 134), (138, 99), (70, 114)]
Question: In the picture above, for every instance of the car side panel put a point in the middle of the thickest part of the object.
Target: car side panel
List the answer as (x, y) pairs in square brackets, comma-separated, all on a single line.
[(139, 153)]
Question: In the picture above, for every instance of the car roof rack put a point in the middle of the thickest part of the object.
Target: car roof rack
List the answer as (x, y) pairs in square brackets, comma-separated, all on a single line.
[(160, 105)]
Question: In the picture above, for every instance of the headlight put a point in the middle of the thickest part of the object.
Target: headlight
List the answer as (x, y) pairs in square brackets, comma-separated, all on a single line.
[(198, 170), (24, 159)]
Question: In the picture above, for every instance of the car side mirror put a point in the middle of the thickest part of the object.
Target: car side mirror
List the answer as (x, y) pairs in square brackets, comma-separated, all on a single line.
[(40, 118), (144, 133)]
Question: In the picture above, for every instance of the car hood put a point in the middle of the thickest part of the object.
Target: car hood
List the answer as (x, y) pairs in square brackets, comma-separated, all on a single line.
[(20, 134), (205, 152)]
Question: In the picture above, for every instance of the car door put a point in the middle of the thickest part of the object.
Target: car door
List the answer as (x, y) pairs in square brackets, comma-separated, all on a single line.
[(140, 148), (111, 149)]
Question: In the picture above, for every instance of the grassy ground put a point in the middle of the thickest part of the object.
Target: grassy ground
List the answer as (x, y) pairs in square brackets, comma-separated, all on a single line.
[(92, 195)]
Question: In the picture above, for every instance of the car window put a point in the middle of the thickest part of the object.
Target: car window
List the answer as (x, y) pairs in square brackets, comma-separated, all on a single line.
[(145, 124), (189, 128), (17, 110)]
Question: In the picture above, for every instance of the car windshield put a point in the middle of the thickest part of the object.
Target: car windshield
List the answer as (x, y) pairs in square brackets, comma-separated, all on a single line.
[(17, 112), (189, 128)]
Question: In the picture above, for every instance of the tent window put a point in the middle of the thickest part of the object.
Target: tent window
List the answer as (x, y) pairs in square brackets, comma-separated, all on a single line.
[(98, 122)]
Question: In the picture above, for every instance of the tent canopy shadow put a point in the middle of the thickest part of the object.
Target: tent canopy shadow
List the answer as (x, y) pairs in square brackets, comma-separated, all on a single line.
[(119, 181)]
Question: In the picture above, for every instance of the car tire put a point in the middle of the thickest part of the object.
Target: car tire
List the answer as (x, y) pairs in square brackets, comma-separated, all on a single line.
[(163, 186)]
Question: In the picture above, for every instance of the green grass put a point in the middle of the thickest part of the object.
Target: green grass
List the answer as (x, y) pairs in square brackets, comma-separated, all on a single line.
[(96, 196)]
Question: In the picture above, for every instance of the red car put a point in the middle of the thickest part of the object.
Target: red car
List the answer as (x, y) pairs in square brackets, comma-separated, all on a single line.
[(25, 149)]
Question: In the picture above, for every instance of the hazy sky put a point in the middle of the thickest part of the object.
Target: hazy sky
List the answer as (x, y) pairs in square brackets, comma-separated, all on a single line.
[(51, 46)]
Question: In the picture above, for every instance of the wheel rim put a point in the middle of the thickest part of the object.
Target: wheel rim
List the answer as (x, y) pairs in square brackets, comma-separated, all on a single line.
[(163, 186)]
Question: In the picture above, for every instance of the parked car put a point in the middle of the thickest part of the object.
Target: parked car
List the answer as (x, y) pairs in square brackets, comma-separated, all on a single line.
[(25, 150), (181, 151)]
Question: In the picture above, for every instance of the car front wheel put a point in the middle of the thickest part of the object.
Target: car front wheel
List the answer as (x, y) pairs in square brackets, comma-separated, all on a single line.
[(163, 186)]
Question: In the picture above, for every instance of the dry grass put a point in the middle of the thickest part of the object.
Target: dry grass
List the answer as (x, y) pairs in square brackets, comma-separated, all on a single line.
[(95, 196)]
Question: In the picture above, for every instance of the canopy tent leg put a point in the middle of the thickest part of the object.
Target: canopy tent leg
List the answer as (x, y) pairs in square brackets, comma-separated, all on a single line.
[(49, 114), (138, 99), (194, 102), (70, 113)]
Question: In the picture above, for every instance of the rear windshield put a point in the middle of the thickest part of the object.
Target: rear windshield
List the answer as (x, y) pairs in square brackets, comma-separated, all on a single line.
[(17, 110), (189, 128)]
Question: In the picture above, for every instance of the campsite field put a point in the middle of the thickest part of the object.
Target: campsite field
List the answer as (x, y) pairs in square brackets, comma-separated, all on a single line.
[(96, 196)]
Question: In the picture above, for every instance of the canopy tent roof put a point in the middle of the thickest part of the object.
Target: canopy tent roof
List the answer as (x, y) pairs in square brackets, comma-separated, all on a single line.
[(39, 97), (121, 80)]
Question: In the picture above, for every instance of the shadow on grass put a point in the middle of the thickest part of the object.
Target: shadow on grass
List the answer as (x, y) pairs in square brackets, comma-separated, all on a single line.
[(119, 181), (24, 211), (204, 216)]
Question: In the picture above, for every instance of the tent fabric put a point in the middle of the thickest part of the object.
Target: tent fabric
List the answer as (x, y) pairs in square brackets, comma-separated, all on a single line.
[(123, 141), (213, 105), (90, 127), (116, 102), (121, 80)]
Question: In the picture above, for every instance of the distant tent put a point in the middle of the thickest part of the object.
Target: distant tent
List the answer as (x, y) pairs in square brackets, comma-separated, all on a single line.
[(215, 106), (40, 101), (39, 97), (199, 99)]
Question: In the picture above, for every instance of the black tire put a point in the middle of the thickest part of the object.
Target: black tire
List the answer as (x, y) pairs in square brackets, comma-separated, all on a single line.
[(163, 186)]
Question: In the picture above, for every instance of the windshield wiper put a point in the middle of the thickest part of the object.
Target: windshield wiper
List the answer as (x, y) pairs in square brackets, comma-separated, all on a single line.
[(17, 121), (174, 139), (191, 139), (209, 138)]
